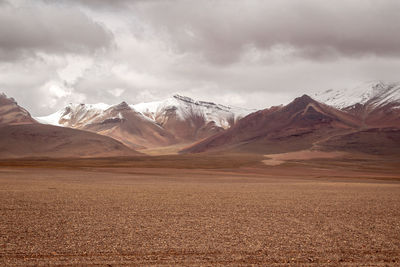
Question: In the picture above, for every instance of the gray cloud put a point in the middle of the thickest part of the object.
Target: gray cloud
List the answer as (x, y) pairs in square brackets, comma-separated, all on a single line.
[(221, 30), (100, 4), (252, 53), (26, 30)]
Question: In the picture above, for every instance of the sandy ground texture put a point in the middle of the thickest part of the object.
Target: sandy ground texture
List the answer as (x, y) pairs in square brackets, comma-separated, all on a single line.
[(143, 216), (277, 159)]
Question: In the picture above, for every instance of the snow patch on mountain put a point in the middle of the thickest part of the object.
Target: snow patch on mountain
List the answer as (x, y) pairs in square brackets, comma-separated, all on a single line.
[(52, 119), (373, 93), (185, 107), (74, 114), (83, 114)]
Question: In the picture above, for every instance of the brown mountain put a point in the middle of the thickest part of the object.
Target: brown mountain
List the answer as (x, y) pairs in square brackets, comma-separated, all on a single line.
[(193, 127), (387, 115), (190, 120), (175, 120), (380, 141), (22, 136), (120, 122), (12, 113), (299, 125), (376, 104), (39, 140)]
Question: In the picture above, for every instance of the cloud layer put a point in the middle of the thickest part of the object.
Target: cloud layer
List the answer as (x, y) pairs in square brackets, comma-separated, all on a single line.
[(223, 30), (251, 53), (27, 30)]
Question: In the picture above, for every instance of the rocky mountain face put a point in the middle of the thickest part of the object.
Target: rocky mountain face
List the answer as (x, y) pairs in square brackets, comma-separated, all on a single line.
[(298, 125), (119, 121), (12, 113), (376, 104), (191, 120), (174, 120), (22, 136), (40, 140), (133, 129), (364, 119), (184, 107), (367, 116)]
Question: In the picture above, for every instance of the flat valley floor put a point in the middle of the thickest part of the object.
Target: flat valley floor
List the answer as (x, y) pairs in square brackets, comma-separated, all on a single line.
[(108, 213)]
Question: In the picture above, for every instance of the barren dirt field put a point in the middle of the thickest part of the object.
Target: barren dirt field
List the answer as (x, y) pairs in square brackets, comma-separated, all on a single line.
[(108, 213)]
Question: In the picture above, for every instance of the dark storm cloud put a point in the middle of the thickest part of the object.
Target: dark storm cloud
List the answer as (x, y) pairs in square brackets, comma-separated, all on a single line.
[(91, 3), (222, 30), (27, 30), (100, 4), (252, 53)]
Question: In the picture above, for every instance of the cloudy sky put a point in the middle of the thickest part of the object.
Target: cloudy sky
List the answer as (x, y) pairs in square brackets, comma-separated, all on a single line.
[(252, 53)]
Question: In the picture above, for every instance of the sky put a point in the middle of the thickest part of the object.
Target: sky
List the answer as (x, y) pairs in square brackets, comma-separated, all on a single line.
[(252, 53)]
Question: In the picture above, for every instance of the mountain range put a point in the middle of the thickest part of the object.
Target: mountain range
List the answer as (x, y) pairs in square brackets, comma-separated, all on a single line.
[(23, 136), (174, 120), (365, 119)]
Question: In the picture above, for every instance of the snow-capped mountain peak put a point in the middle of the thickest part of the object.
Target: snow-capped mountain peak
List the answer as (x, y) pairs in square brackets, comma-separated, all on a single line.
[(164, 122), (374, 93), (184, 107), (74, 114), (181, 107)]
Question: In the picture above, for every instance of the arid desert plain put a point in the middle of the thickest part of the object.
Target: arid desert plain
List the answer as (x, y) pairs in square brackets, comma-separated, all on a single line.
[(200, 210)]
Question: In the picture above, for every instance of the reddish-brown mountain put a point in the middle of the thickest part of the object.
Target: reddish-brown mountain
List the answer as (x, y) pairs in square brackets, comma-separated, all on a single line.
[(12, 113), (39, 140), (22, 136), (299, 125), (130, 127), (376, 104)]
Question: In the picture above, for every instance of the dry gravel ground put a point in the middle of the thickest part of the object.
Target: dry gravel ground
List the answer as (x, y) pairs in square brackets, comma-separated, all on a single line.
[(195, 217)]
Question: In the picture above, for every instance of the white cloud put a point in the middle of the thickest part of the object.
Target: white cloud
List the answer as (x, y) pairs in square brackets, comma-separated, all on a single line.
[(117, 92), (57, 94), (57, 91), (75, 67)]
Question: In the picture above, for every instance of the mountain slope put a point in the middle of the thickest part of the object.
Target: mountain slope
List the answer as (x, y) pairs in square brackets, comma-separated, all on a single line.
[(38, 140), (280, 129), (74, 115), (130, 127), (191, 120), (22, 136), (162, 123), (373, 93), (381, 141), (184, 107), (120, 122), (376, 104), (12, 113)]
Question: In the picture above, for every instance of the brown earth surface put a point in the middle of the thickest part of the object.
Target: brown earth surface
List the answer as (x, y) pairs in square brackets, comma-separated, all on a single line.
[(27, 140), (200, 210), (277, 159)]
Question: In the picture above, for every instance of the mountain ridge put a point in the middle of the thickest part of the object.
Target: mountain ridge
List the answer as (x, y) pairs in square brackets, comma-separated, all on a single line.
[(374, 93), (22, 136), (376, 104), (207, 126), (295, 126), (176, 119), (12, 113)]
